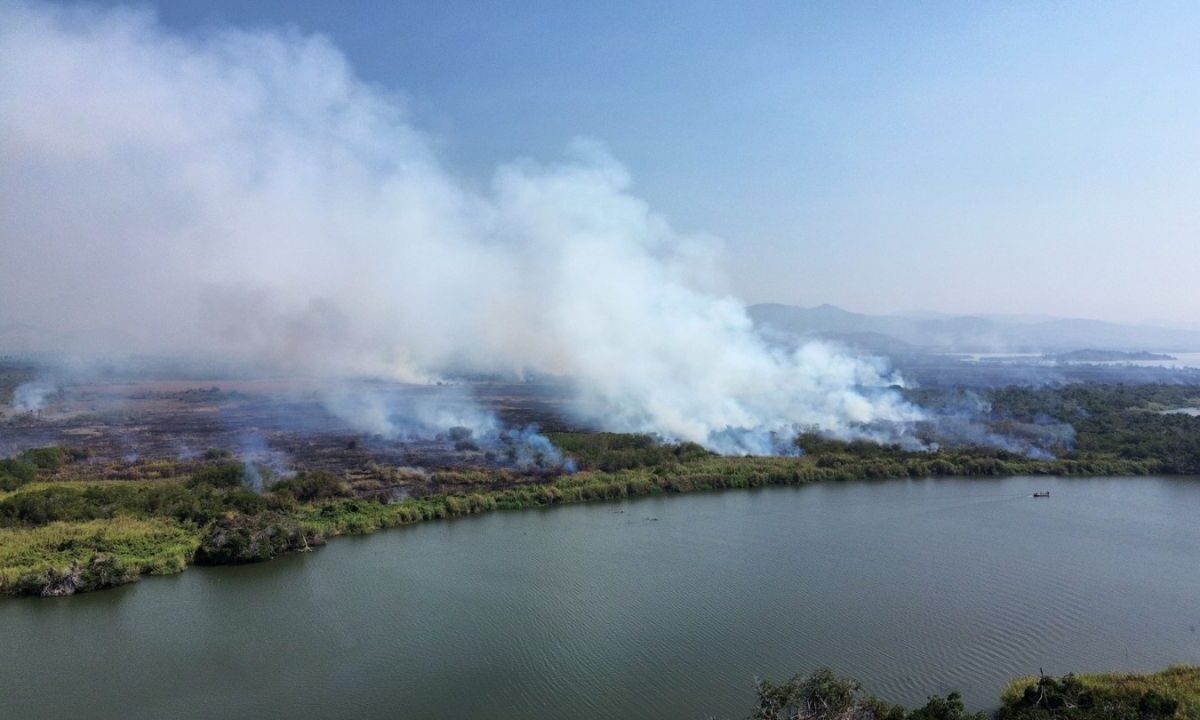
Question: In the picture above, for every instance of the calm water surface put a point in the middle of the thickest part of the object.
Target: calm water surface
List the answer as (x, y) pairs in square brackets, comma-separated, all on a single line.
[(657, 608)]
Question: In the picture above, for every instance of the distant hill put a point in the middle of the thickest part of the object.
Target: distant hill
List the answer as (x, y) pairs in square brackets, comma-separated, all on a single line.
[(1092, 355), (968, 333)]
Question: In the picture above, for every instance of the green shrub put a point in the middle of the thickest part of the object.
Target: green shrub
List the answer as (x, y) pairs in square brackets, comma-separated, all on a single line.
[(308, 487), (612, 452), (47, 458), (76, 503), (947, 708), (14, 473), (252, 538), (825, 696), (220, 475), (820, 696), (215, 454)]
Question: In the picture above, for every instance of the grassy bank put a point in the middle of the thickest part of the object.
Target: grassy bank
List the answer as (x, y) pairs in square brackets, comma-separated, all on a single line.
[(1172, 694), (63, 558)]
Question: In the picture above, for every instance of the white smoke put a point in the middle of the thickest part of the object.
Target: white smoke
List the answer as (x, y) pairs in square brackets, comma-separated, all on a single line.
[(369, 408), (242, 195), (32, 396)]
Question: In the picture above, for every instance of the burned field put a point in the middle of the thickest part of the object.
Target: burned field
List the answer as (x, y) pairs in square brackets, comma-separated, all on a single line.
[(163, 428)]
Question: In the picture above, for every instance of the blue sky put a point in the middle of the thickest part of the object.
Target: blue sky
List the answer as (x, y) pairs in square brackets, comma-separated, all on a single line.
[(959, 157)]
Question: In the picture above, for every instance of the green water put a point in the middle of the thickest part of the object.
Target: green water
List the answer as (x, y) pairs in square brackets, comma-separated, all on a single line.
[(601, 611)]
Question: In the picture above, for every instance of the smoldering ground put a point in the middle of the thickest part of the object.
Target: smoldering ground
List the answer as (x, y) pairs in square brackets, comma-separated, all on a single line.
[(275, 427)]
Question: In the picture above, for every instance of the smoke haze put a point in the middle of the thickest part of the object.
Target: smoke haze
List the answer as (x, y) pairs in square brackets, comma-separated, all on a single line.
[(241, 196)]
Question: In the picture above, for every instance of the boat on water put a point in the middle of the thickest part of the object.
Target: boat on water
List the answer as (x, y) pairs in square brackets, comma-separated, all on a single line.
[(1044, 493)]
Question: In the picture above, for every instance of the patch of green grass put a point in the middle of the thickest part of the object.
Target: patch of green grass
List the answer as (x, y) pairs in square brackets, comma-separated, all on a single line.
[(1103, 695), (146, 546)]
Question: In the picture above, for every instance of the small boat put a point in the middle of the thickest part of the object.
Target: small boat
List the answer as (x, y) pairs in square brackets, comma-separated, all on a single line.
[(1044, 493)]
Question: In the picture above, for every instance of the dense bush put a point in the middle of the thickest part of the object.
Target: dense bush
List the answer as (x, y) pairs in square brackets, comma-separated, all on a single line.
[(944, 708), (623, 451), (75, 503), (1118, 421), (22, 469), (47, 458), (220, 475), (14, 473), (252, 538), (308, 487)]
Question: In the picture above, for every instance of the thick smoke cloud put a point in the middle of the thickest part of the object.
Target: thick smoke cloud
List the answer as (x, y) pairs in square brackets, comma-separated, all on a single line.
[(243, 196)]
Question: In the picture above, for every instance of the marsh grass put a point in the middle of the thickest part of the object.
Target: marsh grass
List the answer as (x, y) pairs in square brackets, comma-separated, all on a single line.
[(156, 546), (1180, 683)]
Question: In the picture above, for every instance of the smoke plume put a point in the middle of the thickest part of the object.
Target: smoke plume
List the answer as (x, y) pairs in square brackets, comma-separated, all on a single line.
[(242, 196), (32, 396)]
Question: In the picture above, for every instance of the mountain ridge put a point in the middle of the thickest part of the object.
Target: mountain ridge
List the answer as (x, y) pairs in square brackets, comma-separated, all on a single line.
[(968, 333)]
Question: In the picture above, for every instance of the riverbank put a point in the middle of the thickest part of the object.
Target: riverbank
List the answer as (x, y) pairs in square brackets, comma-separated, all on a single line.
[(62, 536)]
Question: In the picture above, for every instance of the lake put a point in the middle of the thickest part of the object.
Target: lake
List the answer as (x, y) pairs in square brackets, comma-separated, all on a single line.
[(655, 608)]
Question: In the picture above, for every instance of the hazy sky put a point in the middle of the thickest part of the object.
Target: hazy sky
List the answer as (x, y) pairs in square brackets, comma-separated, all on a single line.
[(962, 157)]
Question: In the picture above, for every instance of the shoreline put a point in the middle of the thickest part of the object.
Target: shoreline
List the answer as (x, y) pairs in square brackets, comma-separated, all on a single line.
[(104, 553)]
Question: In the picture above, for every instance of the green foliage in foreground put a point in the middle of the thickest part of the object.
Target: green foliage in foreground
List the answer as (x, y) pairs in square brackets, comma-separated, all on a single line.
[(1172, 694), (825, 696)]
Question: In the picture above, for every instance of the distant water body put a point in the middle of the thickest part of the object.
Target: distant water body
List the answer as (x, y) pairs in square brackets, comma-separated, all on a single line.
[(656, 608), (1176, 361)]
